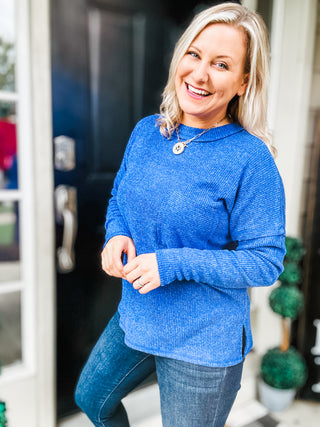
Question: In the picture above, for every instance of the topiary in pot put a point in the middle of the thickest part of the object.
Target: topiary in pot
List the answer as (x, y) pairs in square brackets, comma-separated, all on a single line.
[(283, 369)]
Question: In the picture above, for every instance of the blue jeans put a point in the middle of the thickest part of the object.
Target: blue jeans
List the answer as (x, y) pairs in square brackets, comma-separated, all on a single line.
[(191, 395)]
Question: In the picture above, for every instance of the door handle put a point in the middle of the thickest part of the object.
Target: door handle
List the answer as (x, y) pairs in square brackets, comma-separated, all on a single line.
[(66, 215), (64, 153), (316, 348)]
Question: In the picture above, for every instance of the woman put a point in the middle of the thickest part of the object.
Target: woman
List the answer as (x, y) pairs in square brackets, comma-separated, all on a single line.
[(197, 208)]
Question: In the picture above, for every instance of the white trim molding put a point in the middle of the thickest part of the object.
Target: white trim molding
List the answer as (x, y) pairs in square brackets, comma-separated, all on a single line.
[(28, 388), (44, 210), (293, 37), (26, 186), (8, 96)]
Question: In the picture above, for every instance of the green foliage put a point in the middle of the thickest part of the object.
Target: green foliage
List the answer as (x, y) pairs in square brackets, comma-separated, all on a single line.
[(3, 420), (7, 73), (7, 62), (286, 369), (286, 301), (295, 250), (283, 370), (291, 274)]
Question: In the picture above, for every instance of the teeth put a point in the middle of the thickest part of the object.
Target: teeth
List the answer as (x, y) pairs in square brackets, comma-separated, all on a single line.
[(198, 91)]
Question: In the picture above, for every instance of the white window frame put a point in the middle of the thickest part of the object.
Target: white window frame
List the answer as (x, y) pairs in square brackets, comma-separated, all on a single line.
[(25, 197)]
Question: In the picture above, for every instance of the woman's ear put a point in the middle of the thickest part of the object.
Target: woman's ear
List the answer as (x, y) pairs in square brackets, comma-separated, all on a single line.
[(242, 89)]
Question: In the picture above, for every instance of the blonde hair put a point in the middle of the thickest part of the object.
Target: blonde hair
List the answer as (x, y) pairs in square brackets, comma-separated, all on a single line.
[(250, 109)]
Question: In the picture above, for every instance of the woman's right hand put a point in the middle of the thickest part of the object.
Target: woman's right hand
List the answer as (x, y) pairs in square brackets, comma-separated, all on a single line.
[(111, 256)]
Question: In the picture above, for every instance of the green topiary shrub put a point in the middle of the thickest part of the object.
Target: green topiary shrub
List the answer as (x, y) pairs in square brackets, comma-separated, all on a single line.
[(283, 367), (283, 370), (286, 301), (3, 419), (291, 274), (295, 250)]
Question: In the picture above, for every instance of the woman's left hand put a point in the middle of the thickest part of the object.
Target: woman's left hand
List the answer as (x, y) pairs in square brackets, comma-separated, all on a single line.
[(143, 271)]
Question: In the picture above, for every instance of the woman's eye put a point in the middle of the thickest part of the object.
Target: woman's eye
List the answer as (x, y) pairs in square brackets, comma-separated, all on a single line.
[(194, 54), (222, 65)]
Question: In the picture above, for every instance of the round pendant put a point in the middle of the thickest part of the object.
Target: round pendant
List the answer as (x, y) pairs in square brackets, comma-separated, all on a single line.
[(178, 148)]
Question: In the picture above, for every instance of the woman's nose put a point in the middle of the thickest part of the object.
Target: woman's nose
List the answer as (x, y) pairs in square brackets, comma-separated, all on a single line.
[(200, 73)]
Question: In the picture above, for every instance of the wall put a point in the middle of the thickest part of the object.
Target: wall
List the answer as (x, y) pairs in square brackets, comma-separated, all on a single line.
[(291, 98), (313, 112)]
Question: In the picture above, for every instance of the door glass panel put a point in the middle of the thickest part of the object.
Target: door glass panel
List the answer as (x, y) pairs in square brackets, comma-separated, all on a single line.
[(111, 80), (9, 234), (7, 47), (10, 328), (8, 146)]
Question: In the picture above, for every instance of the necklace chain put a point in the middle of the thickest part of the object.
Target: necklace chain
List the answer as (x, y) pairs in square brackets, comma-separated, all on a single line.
[(179, 147), (185, 143)]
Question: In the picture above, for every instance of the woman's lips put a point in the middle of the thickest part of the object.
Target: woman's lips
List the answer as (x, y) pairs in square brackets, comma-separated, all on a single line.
[(196, 92)]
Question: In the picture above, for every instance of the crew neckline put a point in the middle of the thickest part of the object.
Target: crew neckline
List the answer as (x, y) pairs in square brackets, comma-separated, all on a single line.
[(219, 132)]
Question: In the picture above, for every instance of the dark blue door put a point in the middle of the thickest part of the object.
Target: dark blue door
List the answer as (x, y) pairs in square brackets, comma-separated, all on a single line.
[(108, 70), (109, 66)]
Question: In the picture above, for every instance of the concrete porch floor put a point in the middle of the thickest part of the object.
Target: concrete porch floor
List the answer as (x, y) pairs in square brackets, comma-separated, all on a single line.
[(143, 407)]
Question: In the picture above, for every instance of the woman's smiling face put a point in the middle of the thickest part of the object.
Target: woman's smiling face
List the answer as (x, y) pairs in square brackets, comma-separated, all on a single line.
[(210, 74)]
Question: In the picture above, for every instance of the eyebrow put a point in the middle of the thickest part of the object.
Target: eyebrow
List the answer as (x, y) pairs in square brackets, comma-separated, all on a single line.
[(224, 56)]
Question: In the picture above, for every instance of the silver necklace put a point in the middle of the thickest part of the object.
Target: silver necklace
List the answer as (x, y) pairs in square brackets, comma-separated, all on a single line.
[(179, 146)]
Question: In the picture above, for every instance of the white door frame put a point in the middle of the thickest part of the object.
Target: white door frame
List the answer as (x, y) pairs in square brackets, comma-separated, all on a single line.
[(44, 210), (29, 388)]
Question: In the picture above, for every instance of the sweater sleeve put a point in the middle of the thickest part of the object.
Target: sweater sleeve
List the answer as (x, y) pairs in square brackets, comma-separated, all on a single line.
[(115, 224), (257, 231)]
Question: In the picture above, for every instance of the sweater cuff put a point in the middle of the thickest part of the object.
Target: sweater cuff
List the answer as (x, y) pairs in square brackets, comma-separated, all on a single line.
[(167, 260)]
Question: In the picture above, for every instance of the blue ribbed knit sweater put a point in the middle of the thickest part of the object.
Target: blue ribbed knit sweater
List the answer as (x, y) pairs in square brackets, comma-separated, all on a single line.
[(214, 216)]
